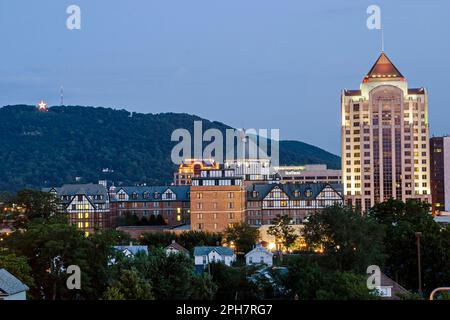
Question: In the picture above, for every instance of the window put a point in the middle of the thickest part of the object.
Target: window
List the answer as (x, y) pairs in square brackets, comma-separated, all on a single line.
[(308, 193)]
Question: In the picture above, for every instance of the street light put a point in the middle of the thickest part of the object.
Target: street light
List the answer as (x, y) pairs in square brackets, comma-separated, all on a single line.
[(419, 269)]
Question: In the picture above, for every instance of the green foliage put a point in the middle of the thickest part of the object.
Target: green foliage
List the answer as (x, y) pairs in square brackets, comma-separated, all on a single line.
[(232, 282), (52, 148), (171, 276), (402, 221), (17, 266), (49, 245), (282, 230), (308, 280), (130, 286), (29, 204), (189, 239), (351, 241), (243, 236)]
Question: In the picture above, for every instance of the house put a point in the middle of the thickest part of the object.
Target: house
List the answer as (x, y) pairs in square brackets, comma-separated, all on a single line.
[(203, 256), (128, 251), (259, 255), (389, 289), (131, 250), (176, 248), (11, 288)]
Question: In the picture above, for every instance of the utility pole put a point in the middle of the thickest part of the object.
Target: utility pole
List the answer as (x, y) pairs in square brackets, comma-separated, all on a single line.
[(419, 267)]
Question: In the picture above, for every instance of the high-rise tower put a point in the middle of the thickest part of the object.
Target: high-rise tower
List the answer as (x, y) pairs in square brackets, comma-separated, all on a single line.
[(385, 139)]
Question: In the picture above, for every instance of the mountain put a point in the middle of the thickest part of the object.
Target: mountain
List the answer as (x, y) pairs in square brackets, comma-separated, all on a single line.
[(39, 149)]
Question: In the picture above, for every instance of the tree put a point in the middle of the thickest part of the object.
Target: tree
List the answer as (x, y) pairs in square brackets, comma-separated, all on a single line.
[(242, 235), (31, 204), (130, 286), (283, 231), (308, 280), (99, 253), (17, 266), (350, 240), (172, 276), (50, 247), (160, 220), (402, 221)]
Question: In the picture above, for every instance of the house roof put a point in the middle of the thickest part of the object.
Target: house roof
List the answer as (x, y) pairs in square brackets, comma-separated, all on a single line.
[(203, 251), (397, 289), (133, 249), (9, 284), (88, 189), (383, 69), (178, 247), (295, 191), (181, 192), (259, 248)]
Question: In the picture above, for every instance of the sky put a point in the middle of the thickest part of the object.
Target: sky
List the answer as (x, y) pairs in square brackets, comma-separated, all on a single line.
[(247, 63)]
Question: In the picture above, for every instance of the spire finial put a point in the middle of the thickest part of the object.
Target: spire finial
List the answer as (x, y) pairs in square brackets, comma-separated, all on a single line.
[(382, 39)]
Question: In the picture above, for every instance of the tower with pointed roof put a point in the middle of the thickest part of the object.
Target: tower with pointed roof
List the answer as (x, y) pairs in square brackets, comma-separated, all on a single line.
[(385, 139)]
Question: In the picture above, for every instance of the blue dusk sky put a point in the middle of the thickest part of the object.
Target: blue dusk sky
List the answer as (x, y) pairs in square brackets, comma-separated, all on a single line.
[(247, 63)]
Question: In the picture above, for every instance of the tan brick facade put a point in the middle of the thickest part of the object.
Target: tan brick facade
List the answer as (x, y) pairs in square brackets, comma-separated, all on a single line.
[(214, 208)]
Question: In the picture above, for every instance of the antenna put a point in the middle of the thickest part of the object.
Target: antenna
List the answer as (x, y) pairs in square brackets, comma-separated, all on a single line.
[(382, 39), (62, 95)]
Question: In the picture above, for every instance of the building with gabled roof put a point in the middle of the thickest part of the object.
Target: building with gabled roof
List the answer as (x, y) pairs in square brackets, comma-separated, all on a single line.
[(172, 203), (203, 256), (259, 255), (11, 288), (266, 201), (175, 247), (88, 205)]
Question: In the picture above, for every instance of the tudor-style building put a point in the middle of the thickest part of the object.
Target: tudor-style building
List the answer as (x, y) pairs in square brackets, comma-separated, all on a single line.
[(266, 201), (87, 205), (170, 202)]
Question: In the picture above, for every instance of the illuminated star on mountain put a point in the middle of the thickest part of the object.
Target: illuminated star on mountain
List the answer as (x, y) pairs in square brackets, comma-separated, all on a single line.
[(42, 106)]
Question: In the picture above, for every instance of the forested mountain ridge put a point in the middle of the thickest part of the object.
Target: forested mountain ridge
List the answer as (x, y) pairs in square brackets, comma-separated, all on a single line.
[(41, 149)]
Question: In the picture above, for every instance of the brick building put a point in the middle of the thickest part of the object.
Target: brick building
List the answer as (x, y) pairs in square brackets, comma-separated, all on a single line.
[(170, 202), (217, 200), (440, 173)]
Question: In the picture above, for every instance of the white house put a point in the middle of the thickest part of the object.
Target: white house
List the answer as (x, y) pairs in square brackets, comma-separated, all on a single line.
[(11, 288), (175, 248), (206, 255), (259, 255), (128, 251)]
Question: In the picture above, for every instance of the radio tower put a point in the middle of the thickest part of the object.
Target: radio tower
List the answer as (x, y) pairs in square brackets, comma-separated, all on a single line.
[(62, 95)]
